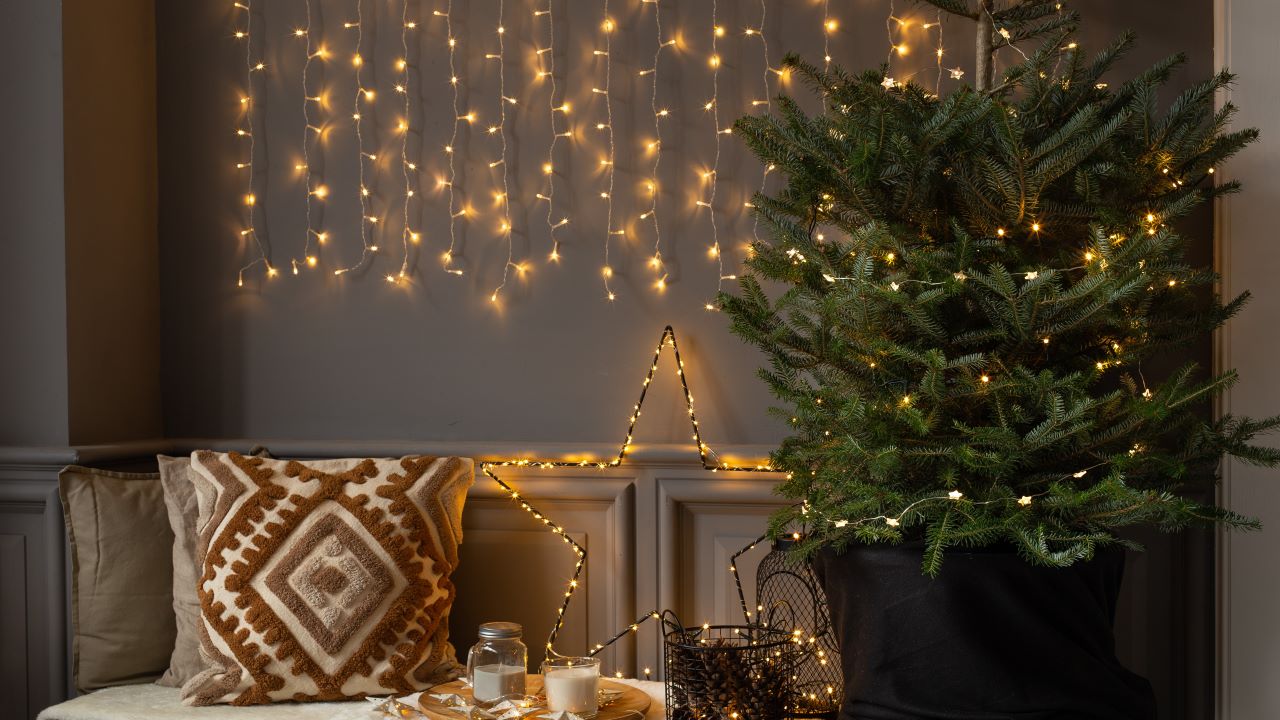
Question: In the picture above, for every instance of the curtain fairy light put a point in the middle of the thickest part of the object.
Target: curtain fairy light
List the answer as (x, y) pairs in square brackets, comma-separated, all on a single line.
[(607, 27), (711, 177), (364, 96), (938, 51), (449, 182), (764, 102), (655, 146), (309, 130), (829, 26), (408, 169), (245, 130), (555, 108), (503, 196)]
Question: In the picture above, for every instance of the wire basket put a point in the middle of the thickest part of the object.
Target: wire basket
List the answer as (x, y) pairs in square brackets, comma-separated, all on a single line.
[(790, 598), (730, 672)]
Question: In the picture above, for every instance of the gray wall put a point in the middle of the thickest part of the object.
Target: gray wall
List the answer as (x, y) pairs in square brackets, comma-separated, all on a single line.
[(79, 359), (112, 257), (1249, 584), (33, 362), (322, 357)]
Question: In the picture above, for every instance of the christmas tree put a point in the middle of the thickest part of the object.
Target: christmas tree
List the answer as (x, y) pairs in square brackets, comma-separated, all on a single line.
[(958, 295)]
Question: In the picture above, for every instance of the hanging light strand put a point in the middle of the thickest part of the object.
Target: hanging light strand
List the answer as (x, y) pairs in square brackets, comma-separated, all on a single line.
[(458, 119), (408, 169), (245, 130), (556, 107), (765, 102), (938, 51), (363, 96), (659, 113), (309, 258), (607, 26), (829, 25), (504, 195), (712, 176)]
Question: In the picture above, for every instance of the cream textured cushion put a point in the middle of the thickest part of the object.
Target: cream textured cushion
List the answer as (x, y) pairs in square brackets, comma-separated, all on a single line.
[(325, 580)]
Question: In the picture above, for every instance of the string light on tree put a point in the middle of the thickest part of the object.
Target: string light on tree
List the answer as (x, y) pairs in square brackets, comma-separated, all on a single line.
[(245, 131)]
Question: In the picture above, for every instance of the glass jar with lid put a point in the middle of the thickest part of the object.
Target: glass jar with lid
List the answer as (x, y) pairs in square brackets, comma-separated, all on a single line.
[(496, 665)]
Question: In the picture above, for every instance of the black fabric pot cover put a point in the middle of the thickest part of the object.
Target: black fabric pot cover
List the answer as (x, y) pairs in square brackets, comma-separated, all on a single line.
[(990, 637)]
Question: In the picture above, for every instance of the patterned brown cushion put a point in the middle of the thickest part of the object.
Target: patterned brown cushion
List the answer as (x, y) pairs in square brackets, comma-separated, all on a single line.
[(325, 580)]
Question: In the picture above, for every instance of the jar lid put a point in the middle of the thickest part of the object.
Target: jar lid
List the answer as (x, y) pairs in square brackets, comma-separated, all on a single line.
[(500, 630)]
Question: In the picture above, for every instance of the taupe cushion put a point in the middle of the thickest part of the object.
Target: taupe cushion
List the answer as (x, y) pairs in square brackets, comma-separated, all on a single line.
[(121, 601), (325, 580), (180, 504)]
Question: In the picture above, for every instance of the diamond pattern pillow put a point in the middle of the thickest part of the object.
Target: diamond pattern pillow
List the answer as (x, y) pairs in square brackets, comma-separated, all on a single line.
[(325, 580)]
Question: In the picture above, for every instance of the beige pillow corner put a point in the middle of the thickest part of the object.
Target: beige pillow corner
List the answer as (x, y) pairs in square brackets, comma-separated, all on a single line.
[(181, 507), (118, 538)]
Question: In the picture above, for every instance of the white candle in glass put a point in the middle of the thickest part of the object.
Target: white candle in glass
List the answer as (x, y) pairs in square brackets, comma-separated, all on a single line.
[(490, 682), (572, 688)]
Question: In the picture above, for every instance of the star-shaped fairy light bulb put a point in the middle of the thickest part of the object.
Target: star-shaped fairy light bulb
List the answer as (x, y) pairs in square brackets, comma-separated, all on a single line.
[(705, 454)]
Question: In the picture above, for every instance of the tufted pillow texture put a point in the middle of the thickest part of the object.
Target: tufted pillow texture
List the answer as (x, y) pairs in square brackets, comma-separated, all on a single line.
[(324, 580)]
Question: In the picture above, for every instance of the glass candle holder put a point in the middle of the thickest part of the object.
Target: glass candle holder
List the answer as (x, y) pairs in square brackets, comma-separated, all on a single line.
[(497, 664), (572, 684)]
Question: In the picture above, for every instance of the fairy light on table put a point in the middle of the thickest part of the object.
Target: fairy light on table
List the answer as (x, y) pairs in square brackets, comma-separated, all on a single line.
[(555, 108), (503, 196), (659, 113), (451, 42), (246, 131), (607, 26), (363, 96), (309, 128)]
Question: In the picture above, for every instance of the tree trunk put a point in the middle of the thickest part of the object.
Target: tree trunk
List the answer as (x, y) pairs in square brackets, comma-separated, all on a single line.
[(985, 69)]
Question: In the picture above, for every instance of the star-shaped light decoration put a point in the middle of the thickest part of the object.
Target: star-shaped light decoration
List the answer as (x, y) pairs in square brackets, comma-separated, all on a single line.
[(888, 83), (956, 73), (705, 454)]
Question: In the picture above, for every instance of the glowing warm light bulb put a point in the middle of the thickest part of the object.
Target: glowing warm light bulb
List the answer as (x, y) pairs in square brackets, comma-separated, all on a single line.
[(831, 25)]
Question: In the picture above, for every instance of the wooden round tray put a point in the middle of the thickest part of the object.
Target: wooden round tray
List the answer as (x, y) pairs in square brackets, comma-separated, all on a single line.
[(633, 700)]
